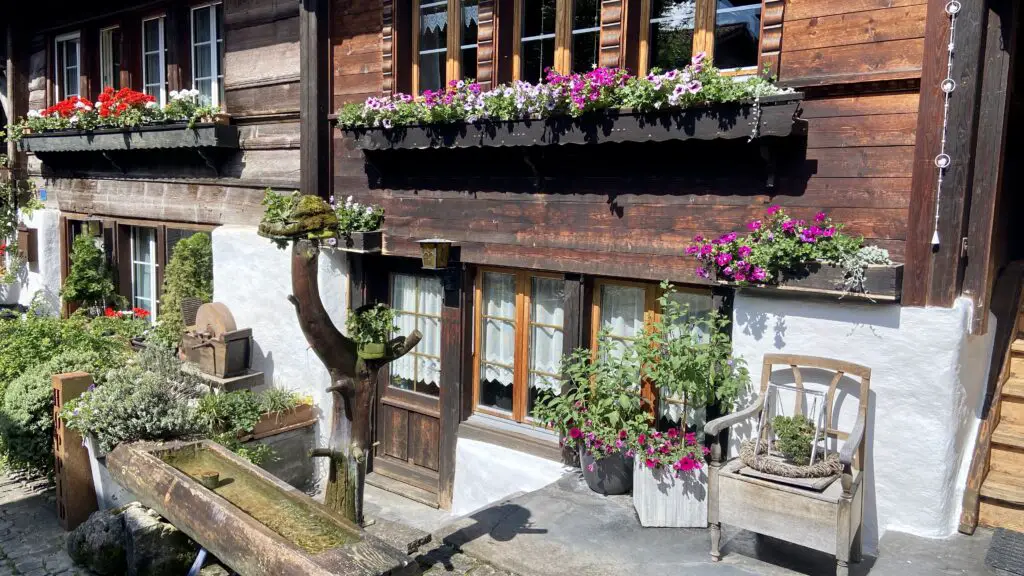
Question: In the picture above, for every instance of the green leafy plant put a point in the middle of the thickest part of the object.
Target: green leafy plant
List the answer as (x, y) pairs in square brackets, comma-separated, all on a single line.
[(356, 217), (690, 355), (279, 400), (17, 201), (230, 412), (89, 282), (795, 435), (189, 274), (371, 325), (855, 266), (291, 216), (253, 452), (602, 410)]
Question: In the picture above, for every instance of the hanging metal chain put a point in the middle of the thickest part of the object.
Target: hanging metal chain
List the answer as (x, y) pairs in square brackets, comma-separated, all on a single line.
[(942, 161)]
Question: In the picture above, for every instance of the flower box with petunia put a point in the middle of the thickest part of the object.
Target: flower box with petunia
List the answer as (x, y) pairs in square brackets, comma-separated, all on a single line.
[(786, 252), (603, 105), (670, 480)]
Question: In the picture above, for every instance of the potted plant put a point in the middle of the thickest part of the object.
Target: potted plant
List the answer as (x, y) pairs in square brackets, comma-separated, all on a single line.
[(688, 357), (359, 226), (599, 413), (370, 327)]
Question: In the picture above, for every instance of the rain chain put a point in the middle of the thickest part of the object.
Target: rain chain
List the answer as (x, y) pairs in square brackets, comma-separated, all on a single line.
[(942, 161)]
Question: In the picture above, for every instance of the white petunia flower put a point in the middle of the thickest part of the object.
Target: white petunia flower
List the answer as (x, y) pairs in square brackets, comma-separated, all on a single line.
[(151, 105), (369, 210), (174, 94)]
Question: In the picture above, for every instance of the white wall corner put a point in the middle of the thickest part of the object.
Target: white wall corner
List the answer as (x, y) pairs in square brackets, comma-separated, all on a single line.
[(43, 277)]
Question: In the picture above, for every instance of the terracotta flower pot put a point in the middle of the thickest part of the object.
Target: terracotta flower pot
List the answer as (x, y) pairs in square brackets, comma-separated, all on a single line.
[(609, 475)]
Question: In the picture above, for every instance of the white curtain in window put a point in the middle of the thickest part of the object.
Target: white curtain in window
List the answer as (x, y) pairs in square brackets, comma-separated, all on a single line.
[(410, 297), (622, 310), (499, 330), (546, 314)]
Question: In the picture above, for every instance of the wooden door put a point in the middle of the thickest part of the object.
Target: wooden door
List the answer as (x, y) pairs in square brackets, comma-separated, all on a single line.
[(409, 408)]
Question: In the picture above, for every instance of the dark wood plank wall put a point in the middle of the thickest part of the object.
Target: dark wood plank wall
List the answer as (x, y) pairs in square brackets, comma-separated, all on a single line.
[(261, 92), (858, 59)]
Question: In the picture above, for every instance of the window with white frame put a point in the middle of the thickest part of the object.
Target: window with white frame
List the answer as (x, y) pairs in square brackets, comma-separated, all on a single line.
[(67, 65), (144, 282), (208, 53), (110, 58), (417, 302), (154, 70)]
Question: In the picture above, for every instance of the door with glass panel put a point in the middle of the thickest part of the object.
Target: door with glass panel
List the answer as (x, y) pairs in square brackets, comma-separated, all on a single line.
[(519, 335), (408, 411)]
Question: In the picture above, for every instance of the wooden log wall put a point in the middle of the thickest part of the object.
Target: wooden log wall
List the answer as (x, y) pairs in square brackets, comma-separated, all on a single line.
[(858, 60), (261, 92)]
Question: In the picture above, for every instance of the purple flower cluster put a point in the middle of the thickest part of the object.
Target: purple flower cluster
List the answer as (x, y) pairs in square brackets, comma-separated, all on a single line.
[(727, 255), (673, 449)]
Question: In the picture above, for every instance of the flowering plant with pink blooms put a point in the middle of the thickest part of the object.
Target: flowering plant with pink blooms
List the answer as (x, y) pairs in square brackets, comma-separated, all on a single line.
[(559, 95), (602, 412), (774, 243), (675, 449)]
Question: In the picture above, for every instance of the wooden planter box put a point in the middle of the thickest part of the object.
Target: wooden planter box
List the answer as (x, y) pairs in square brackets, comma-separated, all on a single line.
[(777, 117), (662, 499), (28, 245), (142, 138), (881, 283), (361, 242), (273, 423)]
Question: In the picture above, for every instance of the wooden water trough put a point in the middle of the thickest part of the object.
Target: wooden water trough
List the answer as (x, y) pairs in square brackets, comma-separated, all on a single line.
[(253, 522)]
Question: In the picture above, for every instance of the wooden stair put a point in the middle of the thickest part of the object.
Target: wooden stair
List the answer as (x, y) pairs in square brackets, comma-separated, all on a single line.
[(1002, 491)]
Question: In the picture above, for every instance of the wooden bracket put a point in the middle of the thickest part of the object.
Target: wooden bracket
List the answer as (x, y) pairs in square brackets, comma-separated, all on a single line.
[(770, 156)]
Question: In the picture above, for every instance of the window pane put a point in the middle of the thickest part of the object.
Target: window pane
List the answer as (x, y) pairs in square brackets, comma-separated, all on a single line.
[(469, 63), (547, 317), (110, 58), (538, 17), (151, 35), (201, 25), (622, 312), (498, 341), (433, 44), (417, 301), (537, 56), (671, 34), (584, 51), (153, 71), (204, 63), (470, 21), (737, 33)]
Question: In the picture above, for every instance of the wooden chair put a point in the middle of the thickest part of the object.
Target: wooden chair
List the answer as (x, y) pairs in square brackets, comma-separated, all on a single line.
[(828, 520)]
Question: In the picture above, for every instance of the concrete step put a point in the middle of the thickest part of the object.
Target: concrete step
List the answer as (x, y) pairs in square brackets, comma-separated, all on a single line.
[(1013, 388), (1008, 435), (1007, 459), (1011, 410), (995, 514), (1004, 486)]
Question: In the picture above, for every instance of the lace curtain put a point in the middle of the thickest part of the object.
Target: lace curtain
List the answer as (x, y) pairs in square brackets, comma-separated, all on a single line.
[(499, 328), (438, 21), (417, 303), (546, 297)]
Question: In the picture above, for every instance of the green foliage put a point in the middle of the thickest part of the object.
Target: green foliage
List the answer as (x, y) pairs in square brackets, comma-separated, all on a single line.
[(17, 200), (26, 415), (90, 282), (277, 208), (356, 217), (690, 355), (372, 325), (189, 274), (152, 397), (855, 266), (296, 216), (230, 412), (279, 400), (603, 404), (795, 436), (255, 452)]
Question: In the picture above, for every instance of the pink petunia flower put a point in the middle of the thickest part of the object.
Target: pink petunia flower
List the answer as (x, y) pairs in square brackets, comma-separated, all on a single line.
[(744, 251), (820, 217), (754, 225)]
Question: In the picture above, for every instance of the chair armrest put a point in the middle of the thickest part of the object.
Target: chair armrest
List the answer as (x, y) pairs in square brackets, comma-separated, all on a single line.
[(852, 442), (718, 424)]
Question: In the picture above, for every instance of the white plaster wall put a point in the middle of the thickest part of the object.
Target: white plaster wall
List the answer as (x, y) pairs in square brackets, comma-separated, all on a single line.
[(927, 385), (43, 277), (252, 277), (486, 473)]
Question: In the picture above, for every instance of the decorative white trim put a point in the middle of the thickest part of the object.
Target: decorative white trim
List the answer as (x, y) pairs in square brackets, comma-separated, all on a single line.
[(59, 71), (216, 77), (161, 97)]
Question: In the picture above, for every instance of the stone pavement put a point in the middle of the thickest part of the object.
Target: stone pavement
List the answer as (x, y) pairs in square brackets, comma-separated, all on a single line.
[(31, 540)]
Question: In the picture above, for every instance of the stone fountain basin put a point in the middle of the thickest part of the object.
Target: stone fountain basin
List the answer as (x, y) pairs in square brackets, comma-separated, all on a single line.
[(253, 522)]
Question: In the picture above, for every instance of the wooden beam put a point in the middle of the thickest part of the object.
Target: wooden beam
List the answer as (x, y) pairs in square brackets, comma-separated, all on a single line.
[(986, 189), (314, 67), (573, 308), (452, 358)]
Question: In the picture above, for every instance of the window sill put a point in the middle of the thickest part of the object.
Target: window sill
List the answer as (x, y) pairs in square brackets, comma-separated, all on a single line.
[(512, 435), (162, 136), (777, 117)]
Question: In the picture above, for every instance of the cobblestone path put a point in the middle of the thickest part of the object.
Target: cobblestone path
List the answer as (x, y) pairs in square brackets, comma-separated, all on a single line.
[(31, 540)]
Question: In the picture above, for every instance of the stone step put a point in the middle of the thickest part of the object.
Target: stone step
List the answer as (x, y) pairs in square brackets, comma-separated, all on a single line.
[(1017, 346), (1014, 388), (1008, 435), (1007, 459), (1004, 486), (1017, 366), (1011, 410), (996, 514)]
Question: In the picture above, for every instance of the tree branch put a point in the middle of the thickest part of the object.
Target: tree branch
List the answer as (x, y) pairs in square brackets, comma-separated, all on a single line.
[(335, 350), (401, 346)]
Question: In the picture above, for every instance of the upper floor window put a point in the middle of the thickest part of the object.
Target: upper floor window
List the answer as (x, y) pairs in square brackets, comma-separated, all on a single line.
[(440, 24), (67, 65), (110, 58), (154, 70), (208, 53), (728, 31), (563, 35)]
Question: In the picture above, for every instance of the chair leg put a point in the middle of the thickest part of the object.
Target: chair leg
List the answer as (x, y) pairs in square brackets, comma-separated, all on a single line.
[(716, 540), (857, 548)]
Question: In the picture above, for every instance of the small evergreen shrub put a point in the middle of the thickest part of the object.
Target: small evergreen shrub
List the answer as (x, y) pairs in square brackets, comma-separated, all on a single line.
[(189, 274), (795, 435), (89, 282), (371, 325)]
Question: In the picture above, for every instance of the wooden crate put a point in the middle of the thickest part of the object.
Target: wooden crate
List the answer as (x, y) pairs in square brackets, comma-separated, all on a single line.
[(76, 496)]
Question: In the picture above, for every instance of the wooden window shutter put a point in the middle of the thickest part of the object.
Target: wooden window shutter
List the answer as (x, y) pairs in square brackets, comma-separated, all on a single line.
[(771, 36), (387, 15), (612, 33), (485, 45)]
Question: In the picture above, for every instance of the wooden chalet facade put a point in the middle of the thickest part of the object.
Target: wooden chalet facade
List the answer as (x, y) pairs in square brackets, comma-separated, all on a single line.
[(558, 242)]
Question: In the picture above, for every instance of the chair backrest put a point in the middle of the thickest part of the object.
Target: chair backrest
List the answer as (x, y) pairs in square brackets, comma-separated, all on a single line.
[(839, 369), (189, 309)]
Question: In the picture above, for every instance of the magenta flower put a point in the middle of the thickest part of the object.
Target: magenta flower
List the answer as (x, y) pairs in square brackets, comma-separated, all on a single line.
[(772, 209), (673, 433), (698, 239), (641, 439), (630, 453), (820, 217), (575, 433), (651, 463), (590, 467), (723, 259), (701, 272), (754, 225), (788, 225), (740, 277), (726, 238), (706, 249), (758, 274), (623, 434), (829, 232), (692, 250), (744, 251), (727, 271), (691, 438), (698, 58)]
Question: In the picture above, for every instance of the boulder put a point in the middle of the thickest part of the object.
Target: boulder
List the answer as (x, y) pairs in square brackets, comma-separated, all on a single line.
[(154, 547), (98, 543)]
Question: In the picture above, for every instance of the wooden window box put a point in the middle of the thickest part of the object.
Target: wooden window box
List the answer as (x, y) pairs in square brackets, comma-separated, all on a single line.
[(272, 423), (143, 138), (28, 245), (361, 242), (777, 117), (881, 283)]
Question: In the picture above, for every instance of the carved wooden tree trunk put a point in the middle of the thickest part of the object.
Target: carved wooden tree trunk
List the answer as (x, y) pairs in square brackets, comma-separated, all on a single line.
[(354, 384)]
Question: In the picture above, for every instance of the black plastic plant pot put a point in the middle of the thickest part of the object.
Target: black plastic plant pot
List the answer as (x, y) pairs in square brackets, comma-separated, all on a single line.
[(610, 475), (372, 351)]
